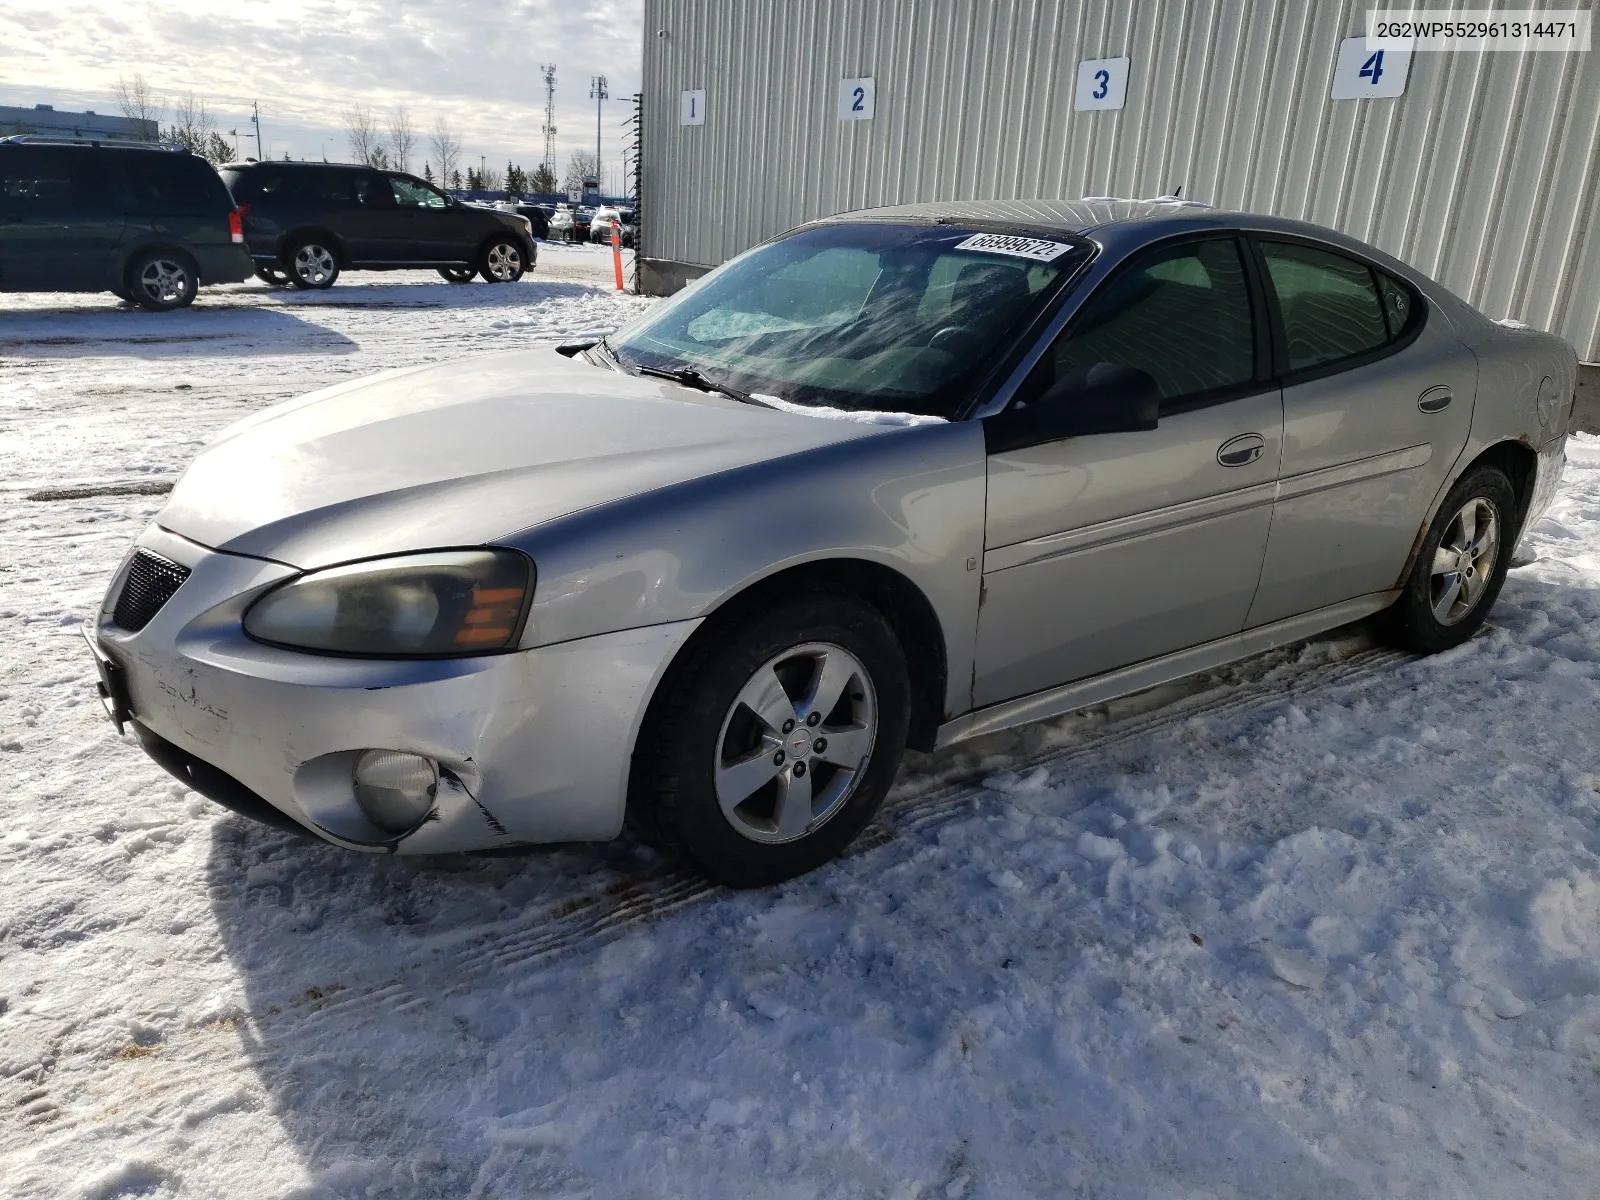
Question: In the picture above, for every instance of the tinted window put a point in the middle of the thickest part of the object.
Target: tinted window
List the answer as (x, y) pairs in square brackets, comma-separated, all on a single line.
[(1329, 303), (347, 189), (413, 193), (1399, 304), (50, 181), (1180, 314), (172, 183)]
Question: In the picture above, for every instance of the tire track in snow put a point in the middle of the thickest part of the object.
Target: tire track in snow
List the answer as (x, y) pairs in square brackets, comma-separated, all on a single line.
[(588, 921)]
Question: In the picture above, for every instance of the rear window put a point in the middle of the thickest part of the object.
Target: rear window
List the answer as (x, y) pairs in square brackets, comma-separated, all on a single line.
[(177, 184)]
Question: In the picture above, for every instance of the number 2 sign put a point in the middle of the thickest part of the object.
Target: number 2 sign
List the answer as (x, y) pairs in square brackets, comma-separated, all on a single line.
[(855, 99), (1102, 83), (1360, 73)]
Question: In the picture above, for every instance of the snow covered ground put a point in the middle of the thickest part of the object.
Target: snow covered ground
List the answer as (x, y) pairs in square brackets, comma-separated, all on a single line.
[(1326, 924)]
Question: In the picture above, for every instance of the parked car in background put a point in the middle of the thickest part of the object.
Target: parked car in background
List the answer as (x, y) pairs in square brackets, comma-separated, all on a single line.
[(306, 222), (561, 223), (582, 216), (538, 218), (899, 477), (147, 223), (600, 225)]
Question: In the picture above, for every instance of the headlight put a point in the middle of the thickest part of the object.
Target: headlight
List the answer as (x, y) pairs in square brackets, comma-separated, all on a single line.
[(527, 226), (446, 603)]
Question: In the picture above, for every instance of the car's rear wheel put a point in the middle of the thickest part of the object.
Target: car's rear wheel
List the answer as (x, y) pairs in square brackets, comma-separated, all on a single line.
[(458, 274), (502, 261), (312, 263), (159, 280), (1461, 566), (276, 276), (773, 741)]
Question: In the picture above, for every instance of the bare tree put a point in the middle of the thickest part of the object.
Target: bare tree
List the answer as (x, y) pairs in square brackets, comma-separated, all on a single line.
[(138, 100), (191, 124), (402, 140), (489, 179), (582, 165), (446, 151), (366, 139)]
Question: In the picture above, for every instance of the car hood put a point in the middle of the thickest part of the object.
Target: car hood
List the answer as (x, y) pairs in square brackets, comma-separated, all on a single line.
[(464, 453)]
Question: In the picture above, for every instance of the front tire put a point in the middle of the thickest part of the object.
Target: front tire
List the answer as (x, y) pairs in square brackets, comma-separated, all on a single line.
[(311, 263), (159, 280), (1461, 566), (772, 743), (502, 261)]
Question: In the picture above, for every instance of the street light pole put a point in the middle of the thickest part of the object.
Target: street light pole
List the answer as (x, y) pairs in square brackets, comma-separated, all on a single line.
[(255, 115), (598, 93)]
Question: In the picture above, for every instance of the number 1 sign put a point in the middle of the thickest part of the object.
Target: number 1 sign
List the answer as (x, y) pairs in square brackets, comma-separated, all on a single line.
[(1102, 83), (1363, 74), (855, 99)]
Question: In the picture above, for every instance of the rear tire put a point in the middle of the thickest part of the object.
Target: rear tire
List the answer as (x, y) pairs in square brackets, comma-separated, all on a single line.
[(1460, 567), (276, 276), (311, 263), (756, 797), (160, 280), (502, 260), (458, 274)]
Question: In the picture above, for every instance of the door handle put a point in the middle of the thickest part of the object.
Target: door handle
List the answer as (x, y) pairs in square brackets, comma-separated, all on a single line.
[(1242, 450), (1435, 399)]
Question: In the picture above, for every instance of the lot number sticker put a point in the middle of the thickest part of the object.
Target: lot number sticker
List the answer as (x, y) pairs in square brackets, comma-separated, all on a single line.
[(692, 108), (1363, 74), (1102, 83), (855, 99), (1036, 249)]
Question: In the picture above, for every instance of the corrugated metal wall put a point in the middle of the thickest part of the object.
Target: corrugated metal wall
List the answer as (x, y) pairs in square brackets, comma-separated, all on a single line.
[(1485, 173)]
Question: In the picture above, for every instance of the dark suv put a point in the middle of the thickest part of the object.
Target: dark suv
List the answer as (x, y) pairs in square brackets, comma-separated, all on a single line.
[(145, 222), (305, 222)]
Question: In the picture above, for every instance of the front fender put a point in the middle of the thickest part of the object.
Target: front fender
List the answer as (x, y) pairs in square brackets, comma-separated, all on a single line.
[(910, 499)]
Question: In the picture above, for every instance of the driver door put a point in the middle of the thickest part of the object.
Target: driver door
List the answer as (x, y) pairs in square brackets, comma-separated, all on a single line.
[(1106, 550)]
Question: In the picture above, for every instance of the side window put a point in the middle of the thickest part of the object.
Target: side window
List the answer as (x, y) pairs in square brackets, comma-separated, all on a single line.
[(410, 193), (45, 181), (162, 184), (1398, 303), (1180, 314), (1330, 304)]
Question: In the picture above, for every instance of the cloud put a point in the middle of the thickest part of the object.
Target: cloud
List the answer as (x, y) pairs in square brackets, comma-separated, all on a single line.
[(474, 62)]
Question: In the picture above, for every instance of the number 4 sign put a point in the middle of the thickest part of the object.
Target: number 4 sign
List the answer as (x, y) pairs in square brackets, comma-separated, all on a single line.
[(1365, 74)]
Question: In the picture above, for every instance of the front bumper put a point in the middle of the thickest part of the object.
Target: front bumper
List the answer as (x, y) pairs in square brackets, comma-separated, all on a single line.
[(533, 746)]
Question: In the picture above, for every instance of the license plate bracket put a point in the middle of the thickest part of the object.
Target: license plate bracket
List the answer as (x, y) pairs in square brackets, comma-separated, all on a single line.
[(112, 686)]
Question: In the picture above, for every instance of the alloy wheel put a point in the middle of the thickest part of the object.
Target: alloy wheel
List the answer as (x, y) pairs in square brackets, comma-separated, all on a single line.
[(503, 261), (795, 742), (164, 281), (314, 264), (1464, 563)]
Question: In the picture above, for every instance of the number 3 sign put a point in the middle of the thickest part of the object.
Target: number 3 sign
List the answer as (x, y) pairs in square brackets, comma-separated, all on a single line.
[(1363, 74), (855, 99), (1102, 83)]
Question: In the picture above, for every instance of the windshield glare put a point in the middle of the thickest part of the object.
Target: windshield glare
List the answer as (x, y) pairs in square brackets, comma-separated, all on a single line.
[(888, 318)]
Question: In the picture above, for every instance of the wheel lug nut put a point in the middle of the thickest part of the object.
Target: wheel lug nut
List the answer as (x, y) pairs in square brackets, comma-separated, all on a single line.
[(818, 746), (799, 769), (788, 726), (777, 759), (813, 718)]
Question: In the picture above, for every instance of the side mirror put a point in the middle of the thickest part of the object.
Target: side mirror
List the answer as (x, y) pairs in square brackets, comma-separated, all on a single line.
[(1102, 398)]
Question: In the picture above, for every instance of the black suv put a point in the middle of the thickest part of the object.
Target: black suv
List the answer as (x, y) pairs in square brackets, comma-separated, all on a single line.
[(145, 222), (305, 222)]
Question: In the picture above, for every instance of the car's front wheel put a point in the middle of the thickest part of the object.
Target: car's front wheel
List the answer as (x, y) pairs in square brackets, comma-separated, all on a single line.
[(311, 263), (1461, 565), (502, 261), (159, 280), (772, 743)]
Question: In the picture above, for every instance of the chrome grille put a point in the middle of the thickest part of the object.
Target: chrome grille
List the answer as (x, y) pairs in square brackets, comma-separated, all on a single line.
[(148, 585)]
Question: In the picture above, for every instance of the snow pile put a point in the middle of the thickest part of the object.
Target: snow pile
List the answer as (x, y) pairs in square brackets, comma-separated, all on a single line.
[(1323, 924), (861, 416)]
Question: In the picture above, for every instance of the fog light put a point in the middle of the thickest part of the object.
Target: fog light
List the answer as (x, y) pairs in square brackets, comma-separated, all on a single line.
[(395, 790)]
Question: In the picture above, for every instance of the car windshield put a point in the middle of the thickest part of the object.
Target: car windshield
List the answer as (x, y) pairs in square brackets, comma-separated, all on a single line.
[(869, 316)]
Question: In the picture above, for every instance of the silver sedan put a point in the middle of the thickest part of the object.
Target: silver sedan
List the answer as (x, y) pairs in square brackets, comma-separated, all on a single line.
[(893, 479)]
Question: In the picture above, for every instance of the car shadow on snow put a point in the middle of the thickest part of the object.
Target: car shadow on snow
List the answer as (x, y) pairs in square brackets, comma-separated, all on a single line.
[(536, 1023), (434, 294), (126, 331)]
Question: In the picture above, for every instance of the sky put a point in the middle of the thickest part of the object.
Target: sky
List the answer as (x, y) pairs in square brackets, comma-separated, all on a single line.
[(473, 62)]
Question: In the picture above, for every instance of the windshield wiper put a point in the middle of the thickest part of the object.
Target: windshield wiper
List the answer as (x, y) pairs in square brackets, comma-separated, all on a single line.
[(691, 377)]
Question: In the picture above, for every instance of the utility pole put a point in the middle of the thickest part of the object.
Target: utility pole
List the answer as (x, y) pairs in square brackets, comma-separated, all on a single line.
[(255, 115), (598, 93), (549, 130)]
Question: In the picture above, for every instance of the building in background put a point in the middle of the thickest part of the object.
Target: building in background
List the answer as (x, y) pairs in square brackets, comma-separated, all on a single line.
[(44, 120), (1482, 170)]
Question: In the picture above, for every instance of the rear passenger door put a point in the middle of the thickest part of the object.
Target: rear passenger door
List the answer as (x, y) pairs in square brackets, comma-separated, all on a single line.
[(356, 206), (1377, 398), (1106, 550), (59, 218), (428, 227)]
